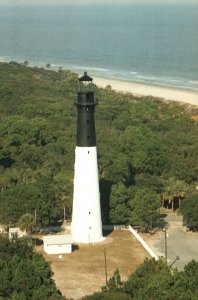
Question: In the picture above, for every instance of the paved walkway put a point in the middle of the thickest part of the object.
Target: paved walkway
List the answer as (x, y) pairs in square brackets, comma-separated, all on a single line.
[(180, 242)]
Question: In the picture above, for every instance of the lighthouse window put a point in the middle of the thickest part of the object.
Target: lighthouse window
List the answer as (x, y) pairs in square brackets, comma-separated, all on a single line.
[(89, 213), (88, 152)]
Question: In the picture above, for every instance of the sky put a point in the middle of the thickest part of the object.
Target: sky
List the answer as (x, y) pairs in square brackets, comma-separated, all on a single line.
[(62, 2)]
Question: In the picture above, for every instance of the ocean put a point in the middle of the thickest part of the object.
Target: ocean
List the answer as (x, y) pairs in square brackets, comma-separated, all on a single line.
[(153, 44)]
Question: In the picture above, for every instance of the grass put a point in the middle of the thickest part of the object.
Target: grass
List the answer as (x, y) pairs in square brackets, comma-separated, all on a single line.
[(83, 271)]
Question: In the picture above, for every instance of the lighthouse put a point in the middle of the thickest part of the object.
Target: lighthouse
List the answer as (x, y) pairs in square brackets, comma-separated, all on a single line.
[(86, 226)]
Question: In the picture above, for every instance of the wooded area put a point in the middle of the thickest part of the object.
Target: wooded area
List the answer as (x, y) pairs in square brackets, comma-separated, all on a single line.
[(147, 150), (152, 280), (24, 274)]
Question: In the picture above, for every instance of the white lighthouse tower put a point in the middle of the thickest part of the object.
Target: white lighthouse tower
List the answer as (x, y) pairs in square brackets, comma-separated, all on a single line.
[(86, 226)]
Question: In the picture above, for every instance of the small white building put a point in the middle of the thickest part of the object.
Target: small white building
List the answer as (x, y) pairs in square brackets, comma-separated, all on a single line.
[(16, 231), (57, 244)]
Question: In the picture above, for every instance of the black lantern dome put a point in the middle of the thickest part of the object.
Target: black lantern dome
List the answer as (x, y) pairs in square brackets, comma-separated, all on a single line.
[(86, 103), (85, 83), (86, 91), (86, 77)]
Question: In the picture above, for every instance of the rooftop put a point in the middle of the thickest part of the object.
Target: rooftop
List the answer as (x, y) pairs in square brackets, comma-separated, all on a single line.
[(58, 239), (85, 77)]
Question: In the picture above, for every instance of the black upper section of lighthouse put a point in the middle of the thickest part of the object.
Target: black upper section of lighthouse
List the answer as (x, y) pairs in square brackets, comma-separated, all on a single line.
[(86, 136)]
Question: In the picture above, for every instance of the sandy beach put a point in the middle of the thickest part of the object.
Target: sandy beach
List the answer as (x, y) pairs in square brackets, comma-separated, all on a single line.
[(141, 89)]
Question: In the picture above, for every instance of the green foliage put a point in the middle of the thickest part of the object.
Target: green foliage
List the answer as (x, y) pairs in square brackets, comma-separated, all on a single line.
[(146, 151), (39, 196), (105, 192), (175, 188), (142, 143), (37, 142), (24, 274), (119, 208), (108, 296), (153, 280), (114, 284), (189, 210), (27, 222), (145, 209), (16, 246)]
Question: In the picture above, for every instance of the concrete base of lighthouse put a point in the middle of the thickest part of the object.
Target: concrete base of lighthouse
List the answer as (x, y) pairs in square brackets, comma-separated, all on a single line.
[(86, 226)]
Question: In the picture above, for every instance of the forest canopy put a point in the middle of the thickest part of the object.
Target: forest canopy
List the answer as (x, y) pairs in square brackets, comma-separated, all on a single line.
[(24, 274), (147, 148), (152, 280)]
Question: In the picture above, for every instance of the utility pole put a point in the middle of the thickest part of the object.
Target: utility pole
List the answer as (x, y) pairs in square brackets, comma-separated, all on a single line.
[(165, 245), (64, 219), (105, 259), (64, 214), (35, 223), (35, 217)]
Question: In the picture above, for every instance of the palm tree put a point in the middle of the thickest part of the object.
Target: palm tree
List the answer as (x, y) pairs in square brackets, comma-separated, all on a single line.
[(27, 223), (174, 191)]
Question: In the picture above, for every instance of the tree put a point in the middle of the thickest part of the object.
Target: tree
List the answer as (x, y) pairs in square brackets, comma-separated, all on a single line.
[(112, 291), (24, 274), (191, 272), (145, 209), (189, 210), (119, 204), (16, 246), (39, 195), (105, 192), (63, 187), (114, 284), (108, 296), (140, 142), (174, 190), (27, 222), (148, 181), (153, 280)]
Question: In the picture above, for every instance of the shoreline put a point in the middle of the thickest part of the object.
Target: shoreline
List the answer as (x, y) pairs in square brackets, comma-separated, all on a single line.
[(142, 89), (138, 89)]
